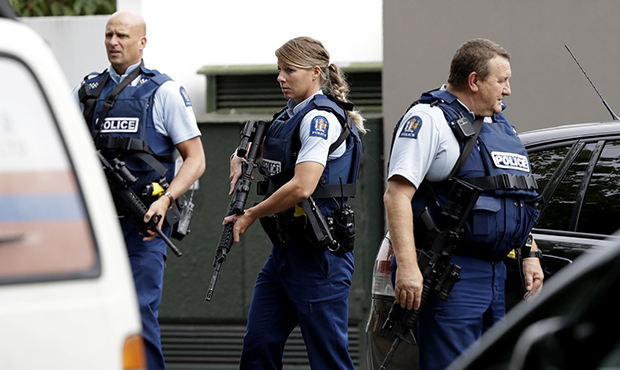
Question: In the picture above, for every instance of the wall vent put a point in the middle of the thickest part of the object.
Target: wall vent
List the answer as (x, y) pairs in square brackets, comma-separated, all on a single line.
[(242, 89)]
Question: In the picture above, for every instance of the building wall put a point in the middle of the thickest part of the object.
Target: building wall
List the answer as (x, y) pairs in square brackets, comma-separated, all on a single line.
[(548, 88), (186, 35)]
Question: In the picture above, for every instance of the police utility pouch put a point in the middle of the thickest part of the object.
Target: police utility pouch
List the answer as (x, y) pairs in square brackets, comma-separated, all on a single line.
[(344, 228), (270, 225), (261, 187), (179, 216)]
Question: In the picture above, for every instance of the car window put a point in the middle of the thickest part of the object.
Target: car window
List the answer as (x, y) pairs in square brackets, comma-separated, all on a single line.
[(44, 230), (558, 214), (545, 162), (600, 213)]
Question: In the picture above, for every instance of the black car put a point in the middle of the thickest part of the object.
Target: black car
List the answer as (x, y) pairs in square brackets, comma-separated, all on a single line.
[(573, 324), (577, 168)]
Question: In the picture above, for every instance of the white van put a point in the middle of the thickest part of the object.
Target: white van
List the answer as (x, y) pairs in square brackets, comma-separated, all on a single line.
[(67, 298)]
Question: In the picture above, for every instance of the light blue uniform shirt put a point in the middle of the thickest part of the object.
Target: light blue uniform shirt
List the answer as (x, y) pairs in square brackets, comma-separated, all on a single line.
[(173, 114), (316, 148)]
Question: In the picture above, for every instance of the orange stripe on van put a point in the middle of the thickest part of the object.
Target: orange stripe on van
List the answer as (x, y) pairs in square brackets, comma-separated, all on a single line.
[(37, 182), (45, 248)]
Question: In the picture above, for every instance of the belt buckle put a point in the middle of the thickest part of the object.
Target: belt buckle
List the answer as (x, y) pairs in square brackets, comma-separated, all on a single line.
[(506, 180), (531, 183)]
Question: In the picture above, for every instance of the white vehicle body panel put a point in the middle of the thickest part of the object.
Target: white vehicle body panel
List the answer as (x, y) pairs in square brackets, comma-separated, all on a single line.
[(78, 314)]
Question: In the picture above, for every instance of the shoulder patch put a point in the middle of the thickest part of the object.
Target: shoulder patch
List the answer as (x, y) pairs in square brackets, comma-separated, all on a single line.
[(185, 96), (319, 127), (411, 127)]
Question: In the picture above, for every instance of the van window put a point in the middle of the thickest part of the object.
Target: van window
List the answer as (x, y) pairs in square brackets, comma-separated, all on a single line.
[(45, 233)]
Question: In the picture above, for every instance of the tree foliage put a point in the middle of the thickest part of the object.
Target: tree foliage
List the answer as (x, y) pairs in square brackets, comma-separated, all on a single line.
[(40, 8)]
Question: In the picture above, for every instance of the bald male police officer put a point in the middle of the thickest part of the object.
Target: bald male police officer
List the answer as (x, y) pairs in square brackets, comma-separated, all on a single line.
[(150, 119), (426, 147)]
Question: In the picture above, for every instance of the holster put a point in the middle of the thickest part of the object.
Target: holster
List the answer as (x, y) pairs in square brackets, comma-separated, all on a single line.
[(306, 223), (275, 227), (316, 229), (179, 216)]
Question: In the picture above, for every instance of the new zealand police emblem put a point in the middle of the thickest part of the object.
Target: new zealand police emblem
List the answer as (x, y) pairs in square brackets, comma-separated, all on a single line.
[(185, 96), (319, 127), (412, 127)]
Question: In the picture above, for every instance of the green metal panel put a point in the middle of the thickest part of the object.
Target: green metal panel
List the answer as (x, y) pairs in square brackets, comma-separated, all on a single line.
[(211, 94), (187, 278)]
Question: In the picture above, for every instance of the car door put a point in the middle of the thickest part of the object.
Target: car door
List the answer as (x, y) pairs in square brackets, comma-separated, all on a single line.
[(580, 182)]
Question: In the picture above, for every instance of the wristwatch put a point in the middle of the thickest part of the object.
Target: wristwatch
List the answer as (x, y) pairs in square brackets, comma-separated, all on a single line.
[(526, 250), (537, 254), (167, 193)]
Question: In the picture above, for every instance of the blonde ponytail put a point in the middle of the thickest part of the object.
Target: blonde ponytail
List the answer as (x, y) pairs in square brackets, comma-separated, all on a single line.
[(339, 88)]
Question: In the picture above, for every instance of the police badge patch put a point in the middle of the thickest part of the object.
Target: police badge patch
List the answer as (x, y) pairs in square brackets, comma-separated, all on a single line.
[(120, 124), (185, 96), (511, 161), (411, 127), (319, 127), (272, 167)]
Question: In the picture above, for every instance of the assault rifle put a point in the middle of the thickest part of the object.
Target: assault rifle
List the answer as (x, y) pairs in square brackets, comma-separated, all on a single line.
[(253, 132), (121, 180), (439, 274)]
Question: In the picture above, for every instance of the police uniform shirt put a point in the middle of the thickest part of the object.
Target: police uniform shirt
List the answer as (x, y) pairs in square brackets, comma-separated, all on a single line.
[(318, 130), (424, 146), (173, 115)]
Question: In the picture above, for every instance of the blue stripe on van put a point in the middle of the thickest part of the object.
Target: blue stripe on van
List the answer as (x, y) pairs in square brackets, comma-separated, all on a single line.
[(41, 207)]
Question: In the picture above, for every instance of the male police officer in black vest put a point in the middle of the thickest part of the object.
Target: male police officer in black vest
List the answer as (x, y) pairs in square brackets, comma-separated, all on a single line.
[(426, 148), (148, 121)]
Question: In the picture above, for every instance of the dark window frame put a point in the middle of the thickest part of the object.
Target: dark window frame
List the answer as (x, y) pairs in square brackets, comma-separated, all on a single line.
[(575, 148)]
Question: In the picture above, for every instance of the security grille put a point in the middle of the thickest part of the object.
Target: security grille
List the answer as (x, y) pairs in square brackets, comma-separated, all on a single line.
[(189, 346), (240, 89), (247, 93)]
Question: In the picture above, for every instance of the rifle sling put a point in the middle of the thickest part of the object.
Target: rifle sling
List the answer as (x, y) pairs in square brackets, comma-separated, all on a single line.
[(109, 103), (468, 147)]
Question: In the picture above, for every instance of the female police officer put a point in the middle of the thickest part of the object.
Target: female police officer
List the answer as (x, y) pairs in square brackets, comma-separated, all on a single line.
[(306, 279)]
